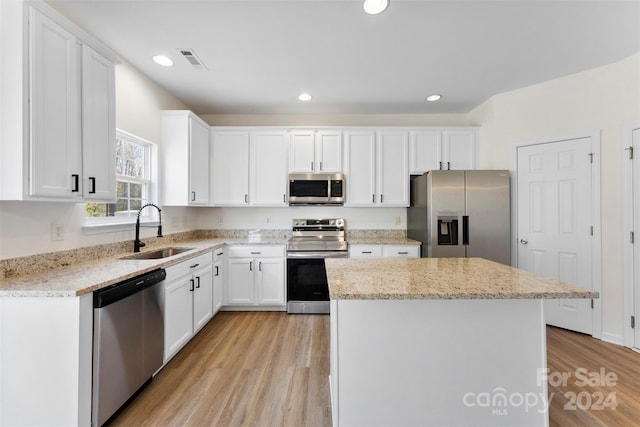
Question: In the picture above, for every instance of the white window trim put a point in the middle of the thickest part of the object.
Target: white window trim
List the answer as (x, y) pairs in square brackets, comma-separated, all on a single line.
[(117, 224)]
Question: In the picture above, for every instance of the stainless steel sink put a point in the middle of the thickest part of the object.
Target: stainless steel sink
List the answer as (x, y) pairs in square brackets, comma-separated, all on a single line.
[(158, 253)]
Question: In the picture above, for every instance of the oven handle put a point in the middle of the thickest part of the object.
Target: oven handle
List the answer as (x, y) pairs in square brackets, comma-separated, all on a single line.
[(319, 254)]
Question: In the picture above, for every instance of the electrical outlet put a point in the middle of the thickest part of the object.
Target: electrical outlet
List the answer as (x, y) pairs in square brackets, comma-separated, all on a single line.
[(268, 220), (220, 220), (57, 231), (398, 220)]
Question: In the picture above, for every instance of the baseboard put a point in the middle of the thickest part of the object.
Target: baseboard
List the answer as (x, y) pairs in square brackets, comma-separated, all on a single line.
[(612, 338)]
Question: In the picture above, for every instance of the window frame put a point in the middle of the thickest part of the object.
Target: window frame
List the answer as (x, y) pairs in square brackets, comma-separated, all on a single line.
[(96, 225)]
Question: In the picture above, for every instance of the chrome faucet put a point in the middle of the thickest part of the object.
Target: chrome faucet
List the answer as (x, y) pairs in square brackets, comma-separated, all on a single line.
[(137, 244)]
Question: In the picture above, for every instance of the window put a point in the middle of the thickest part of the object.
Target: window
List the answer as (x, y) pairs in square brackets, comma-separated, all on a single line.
[(135, 172)]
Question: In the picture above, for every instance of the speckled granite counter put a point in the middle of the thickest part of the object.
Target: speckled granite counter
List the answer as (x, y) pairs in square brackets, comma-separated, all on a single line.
[(83, 276), (440, 278)]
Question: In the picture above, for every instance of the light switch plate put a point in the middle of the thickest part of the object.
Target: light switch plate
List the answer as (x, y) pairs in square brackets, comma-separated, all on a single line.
[(57, 231)]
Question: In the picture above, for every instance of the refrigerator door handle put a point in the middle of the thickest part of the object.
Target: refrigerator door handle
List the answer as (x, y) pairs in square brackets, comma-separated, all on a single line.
[(465, 229)]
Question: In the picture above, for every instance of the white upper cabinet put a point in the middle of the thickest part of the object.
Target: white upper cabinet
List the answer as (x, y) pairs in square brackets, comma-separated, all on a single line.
[(229, 167), (376, 169), (185, 154), (393, 168), (360, 168), (316, 151), (442, 149), (98, 126), (58, 107), (268, 168)]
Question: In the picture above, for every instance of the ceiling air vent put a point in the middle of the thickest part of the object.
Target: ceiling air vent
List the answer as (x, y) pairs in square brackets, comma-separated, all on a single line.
[(193, 59)]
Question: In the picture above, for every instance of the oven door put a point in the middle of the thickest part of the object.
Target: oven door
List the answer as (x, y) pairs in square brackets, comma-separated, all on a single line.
[(307, 287)]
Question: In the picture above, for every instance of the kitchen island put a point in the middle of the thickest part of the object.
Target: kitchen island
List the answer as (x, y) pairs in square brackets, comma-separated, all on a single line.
[(439, 341)]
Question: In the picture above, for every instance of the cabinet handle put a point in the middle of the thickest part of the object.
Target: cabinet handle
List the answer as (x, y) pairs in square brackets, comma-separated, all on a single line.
[(220, 253), (194, 265), (403, 253), (382, 198), (366, 252), (260, 266), (76, 183), (193, 196), (192, 283), (198, 279), (246, 198), (320, 165), (92, 179), (448, 166), (373, 198), (250, 265), (440, 167), (312, 166), (284, 198), (217, 271), (256, 253)]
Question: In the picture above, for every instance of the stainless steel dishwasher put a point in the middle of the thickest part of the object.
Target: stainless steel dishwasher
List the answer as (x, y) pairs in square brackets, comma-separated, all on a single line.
[(128, 341)]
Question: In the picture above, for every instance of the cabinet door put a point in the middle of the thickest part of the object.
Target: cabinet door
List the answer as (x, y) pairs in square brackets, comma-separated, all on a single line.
[(459, 149), (393, 169), (178, 315), (230, 168), (425, 152), (218, 285), (202, 298), (365, 251), (98, 126), (268, 169), (198, 163), (54, 109), (302, 151), (240, 286), (360, 168), (270, 281), (329, 156)]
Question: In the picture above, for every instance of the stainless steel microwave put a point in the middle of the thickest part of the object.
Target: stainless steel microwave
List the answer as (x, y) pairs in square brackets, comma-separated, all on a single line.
[(316, 189)]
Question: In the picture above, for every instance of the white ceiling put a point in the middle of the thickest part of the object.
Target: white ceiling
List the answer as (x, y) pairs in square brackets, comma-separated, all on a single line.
[(261, 54)]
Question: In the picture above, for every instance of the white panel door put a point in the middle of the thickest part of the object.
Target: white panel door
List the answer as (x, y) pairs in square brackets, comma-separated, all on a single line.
[(98, 126), (554, 223), (635, 140), (54, 90), (270, 281), (240, 281), (393, 169), (229, 168), (268, 168), (178, 315), (202, 298), (360, 168)]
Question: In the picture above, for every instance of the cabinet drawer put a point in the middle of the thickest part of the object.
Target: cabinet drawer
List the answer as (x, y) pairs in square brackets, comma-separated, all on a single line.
[(401, 251), (365, 251), (255, 251), (218, 253), (187, 266)]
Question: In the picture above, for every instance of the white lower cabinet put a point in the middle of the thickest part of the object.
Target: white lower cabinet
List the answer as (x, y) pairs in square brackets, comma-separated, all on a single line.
[(384, 251), (256, 276), (218, 278), (188, 301)]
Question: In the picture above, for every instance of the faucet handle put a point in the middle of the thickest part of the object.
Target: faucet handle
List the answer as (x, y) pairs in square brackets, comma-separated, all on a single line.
[(160, 230)]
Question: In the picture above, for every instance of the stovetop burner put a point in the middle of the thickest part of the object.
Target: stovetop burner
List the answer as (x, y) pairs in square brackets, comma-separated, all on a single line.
[(318, 235)]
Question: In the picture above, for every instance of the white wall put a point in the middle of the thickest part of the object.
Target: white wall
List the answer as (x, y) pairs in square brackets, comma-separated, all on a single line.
[(25, 227), (605, 98)]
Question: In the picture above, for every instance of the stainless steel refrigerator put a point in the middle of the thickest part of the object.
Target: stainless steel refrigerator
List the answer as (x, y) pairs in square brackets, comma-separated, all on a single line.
[(462, 214)]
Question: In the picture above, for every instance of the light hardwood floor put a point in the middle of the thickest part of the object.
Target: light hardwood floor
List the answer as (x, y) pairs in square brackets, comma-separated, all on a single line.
[(271, 369)]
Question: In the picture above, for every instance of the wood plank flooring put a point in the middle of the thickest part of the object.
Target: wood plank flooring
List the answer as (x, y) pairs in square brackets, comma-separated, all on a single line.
[(271, 369)]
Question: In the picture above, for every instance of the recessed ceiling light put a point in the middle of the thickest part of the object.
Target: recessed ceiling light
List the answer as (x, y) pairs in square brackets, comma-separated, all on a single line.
[(373, 7), (163, 60), (434, 97), (304, 97)]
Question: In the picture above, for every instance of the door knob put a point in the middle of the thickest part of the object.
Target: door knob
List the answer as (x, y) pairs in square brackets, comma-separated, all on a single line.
[(524, 241)]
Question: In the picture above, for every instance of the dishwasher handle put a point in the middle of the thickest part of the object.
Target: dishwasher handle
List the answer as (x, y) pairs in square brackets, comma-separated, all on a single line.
[(119, 291)]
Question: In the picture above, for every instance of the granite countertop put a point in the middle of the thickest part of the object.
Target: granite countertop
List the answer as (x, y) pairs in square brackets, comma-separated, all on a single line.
[(84, 276), (382, 241), (440, 278)]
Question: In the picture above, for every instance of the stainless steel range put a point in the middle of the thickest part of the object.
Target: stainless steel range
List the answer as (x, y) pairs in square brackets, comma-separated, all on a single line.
[(313, 241)]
